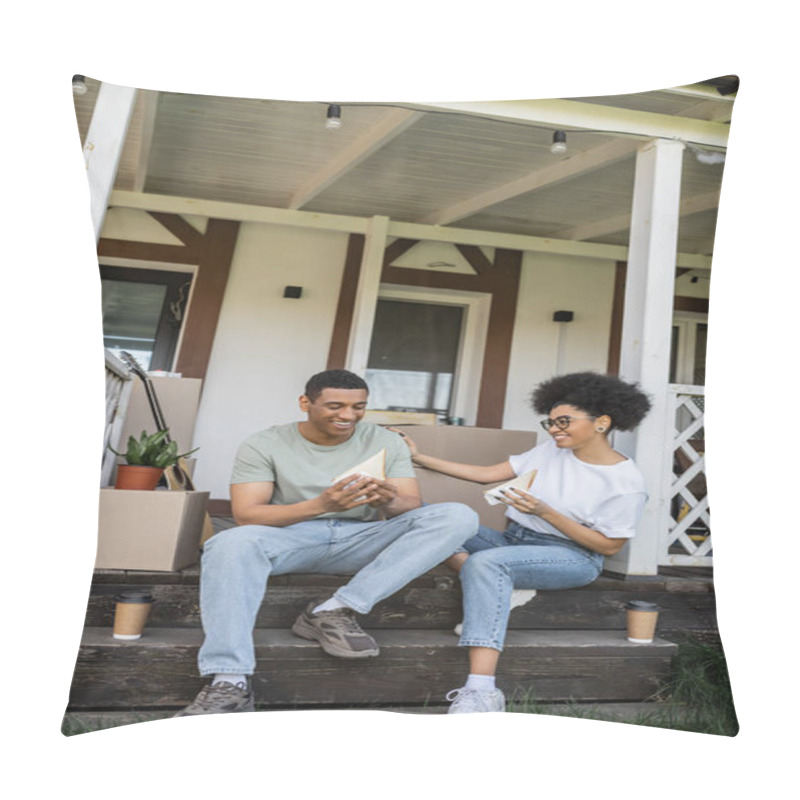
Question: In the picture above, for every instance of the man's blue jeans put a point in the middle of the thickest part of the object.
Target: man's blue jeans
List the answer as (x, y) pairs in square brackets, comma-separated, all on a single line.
[(381, 556), (517, 558)]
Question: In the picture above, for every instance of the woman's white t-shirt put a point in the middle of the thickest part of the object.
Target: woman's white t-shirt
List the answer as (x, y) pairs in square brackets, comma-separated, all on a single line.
[(608, 498)]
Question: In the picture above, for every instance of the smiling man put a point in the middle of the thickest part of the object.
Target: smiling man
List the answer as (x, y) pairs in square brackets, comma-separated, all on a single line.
[(294, 515)]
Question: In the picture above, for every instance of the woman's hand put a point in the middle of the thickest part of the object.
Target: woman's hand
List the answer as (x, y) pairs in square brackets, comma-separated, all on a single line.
[(525, 503), (412, 445)]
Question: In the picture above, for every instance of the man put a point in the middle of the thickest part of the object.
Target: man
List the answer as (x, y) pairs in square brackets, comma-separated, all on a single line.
[(293, 517)]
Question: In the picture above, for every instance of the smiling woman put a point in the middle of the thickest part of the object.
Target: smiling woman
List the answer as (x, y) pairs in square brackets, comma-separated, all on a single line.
[(584, 505)]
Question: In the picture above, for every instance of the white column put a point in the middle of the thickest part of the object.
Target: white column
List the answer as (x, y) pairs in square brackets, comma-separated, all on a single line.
[(103, 146), (367, 295), (647, 333)]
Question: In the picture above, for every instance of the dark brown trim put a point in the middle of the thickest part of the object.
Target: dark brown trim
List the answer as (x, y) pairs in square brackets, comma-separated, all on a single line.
[(699, 304), (475, 257), (617, 313), (497, 354), (340, 337), (212, 254), (146, 251), (200, 328), (179, 228), (396, 249)]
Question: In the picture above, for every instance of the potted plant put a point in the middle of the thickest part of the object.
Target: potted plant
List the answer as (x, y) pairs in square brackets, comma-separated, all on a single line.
[(146, 459)]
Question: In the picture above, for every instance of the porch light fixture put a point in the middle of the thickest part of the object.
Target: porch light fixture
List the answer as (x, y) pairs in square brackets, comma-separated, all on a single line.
[(706, 156), (333, 121), (559, 143), (79, 84)]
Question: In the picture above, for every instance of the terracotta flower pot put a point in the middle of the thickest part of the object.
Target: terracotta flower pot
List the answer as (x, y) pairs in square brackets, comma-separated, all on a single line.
[(135, 477)]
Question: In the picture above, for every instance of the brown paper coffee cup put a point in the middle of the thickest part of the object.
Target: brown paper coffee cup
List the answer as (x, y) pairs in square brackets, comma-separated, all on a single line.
[(131, 614), (641, 619)]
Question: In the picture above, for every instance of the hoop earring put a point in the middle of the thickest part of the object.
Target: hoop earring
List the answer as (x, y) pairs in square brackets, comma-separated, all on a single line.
[(600, 430)]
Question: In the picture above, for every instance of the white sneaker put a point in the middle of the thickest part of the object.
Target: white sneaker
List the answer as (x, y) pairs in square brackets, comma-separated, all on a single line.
[(518, 598), (472, 701)]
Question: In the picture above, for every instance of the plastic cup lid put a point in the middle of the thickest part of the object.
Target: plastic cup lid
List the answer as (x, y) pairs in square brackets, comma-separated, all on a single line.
[(641, 605), (134, 597)]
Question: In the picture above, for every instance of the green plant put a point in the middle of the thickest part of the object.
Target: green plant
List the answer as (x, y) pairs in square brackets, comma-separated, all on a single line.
[(152, 450), (700, 687)]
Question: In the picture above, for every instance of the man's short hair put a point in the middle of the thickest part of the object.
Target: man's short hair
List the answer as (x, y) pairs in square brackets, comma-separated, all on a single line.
[(333, 379)]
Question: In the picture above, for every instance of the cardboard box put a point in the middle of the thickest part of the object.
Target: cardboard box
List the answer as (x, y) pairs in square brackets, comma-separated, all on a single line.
[(158, 530), (466, 445), (178, 399)]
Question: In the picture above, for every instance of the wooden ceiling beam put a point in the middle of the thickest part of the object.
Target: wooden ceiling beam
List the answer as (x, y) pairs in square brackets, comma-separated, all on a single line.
[(578, 115), (391, 125), (147, 122), (602, 227), (579, 164)]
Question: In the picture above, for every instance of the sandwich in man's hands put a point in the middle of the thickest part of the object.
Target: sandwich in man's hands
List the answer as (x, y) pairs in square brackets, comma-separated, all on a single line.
[(373, 467)]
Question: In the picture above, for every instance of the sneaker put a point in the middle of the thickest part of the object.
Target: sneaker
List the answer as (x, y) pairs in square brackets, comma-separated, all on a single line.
[(337, 632), (518, 598), (220, 698), (471, 701)]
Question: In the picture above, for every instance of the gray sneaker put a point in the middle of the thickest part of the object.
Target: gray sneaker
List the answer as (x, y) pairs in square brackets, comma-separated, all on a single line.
[(471, 701), (220, 698), (337, 632)]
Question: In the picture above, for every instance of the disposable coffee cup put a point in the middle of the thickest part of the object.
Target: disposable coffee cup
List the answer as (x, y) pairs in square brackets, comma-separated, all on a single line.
[(131, 614), (641, 619)]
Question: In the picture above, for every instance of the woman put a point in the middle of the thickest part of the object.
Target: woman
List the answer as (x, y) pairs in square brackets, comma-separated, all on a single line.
[(584, 504)]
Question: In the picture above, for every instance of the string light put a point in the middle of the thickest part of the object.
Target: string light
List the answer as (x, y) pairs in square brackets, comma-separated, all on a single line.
[(333, 121), (559, 143)]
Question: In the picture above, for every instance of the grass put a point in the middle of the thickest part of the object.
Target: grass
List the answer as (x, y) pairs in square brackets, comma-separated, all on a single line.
[(696, 697), (75, 723)]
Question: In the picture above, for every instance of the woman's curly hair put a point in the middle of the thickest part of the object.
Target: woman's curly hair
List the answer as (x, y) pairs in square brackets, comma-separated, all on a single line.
[(595, 394)]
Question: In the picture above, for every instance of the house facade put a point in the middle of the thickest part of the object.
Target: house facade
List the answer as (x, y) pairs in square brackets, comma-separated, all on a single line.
[(269, 295)]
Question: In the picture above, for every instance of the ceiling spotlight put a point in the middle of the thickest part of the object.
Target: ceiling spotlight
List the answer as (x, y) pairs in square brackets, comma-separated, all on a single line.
[(79, 84), (333, 120), (559, 143)]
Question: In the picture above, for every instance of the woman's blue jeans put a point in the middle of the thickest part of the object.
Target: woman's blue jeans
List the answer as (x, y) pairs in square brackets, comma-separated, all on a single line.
[(517, 558), (381, 556)]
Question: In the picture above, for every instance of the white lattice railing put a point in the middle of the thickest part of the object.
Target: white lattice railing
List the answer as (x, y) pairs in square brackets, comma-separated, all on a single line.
[(118, 389), (686, 532)]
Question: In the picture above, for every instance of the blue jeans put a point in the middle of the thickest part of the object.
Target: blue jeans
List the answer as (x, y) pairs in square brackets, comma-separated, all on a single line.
[(517, 558), (382, 556)]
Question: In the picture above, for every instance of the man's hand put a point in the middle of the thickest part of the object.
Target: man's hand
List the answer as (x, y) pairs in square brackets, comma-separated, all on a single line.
[(350, 492), (385, 491)]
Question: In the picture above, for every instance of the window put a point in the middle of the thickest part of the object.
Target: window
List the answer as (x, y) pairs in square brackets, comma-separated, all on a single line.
[(143, 310), (413, 356), (688, 352)]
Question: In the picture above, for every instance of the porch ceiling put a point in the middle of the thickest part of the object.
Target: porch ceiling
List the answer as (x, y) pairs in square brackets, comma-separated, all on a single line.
[(484, 166)]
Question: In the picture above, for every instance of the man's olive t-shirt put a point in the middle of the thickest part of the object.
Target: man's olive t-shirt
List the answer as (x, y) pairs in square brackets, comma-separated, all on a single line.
[(302, 470)]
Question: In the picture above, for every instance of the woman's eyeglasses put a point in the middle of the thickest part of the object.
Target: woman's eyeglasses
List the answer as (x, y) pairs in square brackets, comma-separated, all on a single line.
[(562, 423)]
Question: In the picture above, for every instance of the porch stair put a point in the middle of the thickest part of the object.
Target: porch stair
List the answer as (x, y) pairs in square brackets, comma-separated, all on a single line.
[(563, 647)]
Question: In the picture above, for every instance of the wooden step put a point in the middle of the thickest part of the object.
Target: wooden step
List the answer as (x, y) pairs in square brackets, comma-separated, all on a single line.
[(432, 601), (416, 667)]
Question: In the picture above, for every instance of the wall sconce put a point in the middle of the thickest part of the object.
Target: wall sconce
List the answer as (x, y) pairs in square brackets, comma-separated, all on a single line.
[(79, 84)]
